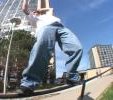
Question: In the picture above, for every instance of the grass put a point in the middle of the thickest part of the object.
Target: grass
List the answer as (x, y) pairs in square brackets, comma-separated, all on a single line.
[(107, 94)]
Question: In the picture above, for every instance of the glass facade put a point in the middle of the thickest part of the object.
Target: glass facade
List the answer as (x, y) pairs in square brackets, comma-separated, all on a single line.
[(101, 56), (10, 7), (105, 53)]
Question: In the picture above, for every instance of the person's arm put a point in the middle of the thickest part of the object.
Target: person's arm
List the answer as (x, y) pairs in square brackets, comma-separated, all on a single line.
[(48, 11), (25, 7)]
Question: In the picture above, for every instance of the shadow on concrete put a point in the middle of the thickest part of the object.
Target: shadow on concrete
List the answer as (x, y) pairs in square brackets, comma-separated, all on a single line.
[(86, 97)]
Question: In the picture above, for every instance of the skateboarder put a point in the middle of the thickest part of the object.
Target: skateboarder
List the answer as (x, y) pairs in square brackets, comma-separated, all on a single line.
[(48, 30)]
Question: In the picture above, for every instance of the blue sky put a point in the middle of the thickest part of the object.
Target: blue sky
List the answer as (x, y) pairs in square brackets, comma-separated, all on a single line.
[(91, 20), (2, 1)]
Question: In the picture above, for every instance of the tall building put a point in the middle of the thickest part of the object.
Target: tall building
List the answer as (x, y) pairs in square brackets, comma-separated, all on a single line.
[(101, 56), (12, 8)]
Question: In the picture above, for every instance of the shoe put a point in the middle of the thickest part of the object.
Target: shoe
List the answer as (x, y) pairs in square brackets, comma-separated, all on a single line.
[(25, 90), (73, 78)]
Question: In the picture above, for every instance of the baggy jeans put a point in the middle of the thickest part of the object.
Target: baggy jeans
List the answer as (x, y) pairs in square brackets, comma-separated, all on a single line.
[(36, 70)]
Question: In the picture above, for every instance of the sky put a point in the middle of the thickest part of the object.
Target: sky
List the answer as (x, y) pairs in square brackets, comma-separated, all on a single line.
[(2, 2), (90, 20)]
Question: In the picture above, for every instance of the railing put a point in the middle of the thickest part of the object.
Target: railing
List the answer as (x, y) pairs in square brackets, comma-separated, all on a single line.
[(85, 81)]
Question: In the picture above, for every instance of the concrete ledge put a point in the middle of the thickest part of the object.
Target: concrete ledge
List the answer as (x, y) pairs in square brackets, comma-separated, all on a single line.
[(93, 89), (36, 93)]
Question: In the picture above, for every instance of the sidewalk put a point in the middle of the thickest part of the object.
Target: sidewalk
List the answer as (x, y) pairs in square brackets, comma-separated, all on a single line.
[(93, 89), (96, 87)]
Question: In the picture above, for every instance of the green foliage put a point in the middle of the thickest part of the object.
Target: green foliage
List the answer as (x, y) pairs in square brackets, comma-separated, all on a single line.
[(22, 43), (1, 86), (21, 46), (3, 46)]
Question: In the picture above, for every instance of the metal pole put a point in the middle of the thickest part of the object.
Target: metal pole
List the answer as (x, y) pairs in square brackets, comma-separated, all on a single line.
[(7, 61), (14, 21), (83, 90)]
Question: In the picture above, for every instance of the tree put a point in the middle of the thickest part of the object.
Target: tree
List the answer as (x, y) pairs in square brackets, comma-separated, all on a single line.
[(21, 46)]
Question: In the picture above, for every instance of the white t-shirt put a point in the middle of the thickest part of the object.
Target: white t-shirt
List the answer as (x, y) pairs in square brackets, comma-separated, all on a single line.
[(42, 20)]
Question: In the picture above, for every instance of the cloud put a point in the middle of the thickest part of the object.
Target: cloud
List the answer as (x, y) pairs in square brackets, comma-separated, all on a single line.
[(106, 19), (90, 4), (96, 3)]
